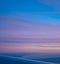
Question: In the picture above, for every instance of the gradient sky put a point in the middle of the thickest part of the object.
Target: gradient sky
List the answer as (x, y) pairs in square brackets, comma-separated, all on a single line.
[(29, 25)]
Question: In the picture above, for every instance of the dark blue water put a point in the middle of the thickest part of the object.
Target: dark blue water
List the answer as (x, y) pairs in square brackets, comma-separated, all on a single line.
[(14, 60), (29, 58)]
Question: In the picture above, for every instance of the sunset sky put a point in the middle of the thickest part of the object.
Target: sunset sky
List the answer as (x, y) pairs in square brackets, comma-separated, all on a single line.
[(30, 26)]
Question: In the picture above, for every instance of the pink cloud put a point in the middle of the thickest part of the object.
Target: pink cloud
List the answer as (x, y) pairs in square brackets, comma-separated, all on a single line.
[(29, 48), (19, 28)]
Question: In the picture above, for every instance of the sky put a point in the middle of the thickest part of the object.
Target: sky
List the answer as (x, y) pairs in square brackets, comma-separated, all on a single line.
[(30, 26)]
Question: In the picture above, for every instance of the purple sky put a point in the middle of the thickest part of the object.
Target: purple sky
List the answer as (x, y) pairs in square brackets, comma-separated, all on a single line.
[(29, 22)]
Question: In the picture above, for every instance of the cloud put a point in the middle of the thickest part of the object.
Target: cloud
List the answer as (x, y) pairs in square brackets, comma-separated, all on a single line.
[(29, 47), (17, 28)]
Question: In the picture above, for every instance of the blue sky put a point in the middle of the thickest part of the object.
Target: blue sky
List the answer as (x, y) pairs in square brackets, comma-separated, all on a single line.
[(31, 9), (28, 6), (30, 21), (18, 14)]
